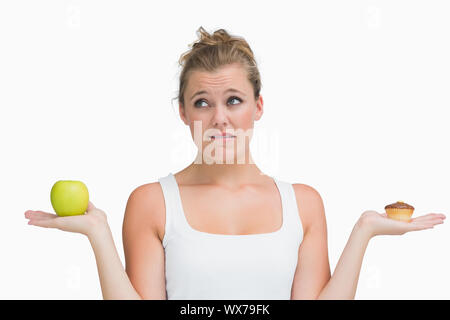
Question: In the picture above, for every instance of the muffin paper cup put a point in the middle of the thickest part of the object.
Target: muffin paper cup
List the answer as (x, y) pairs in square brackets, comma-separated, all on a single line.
[(400, 214)]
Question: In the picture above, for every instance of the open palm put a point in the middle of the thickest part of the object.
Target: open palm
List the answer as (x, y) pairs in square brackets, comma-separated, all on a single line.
[(83, 224), (381, 224)]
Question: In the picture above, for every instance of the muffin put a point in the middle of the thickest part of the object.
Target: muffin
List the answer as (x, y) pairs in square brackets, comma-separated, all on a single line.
[(399, 211)]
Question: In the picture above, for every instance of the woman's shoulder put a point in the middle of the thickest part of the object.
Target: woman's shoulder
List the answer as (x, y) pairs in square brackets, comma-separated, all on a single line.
[(310, 204), (305, 190), (148, 193), (148, 201)]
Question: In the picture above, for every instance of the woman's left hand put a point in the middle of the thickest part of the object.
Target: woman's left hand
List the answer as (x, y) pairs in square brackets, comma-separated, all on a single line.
[(380, 224)]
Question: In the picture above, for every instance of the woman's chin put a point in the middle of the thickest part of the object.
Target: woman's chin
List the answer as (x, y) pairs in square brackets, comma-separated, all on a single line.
[(229, 157)]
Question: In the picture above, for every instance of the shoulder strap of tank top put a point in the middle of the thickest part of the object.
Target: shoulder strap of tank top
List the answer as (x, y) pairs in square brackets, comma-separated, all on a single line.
[(289, 201), (170, 191)]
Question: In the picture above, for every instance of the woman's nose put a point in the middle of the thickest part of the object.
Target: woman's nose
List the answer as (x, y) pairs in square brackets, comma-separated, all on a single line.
[(220, 115)]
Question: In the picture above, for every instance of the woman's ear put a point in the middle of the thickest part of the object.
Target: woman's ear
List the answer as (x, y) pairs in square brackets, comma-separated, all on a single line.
[(259, 108), (183, 113)]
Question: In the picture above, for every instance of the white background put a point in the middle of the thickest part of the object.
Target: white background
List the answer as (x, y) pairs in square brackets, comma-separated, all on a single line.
[(356, 100)]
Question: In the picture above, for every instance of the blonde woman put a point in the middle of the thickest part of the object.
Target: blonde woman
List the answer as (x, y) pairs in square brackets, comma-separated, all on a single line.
[(220, 228)]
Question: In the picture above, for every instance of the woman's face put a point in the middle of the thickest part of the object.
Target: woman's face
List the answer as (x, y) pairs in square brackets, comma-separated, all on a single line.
[(221, 102)]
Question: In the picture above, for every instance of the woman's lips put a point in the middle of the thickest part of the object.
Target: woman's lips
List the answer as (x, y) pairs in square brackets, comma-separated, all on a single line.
[(222, 137)]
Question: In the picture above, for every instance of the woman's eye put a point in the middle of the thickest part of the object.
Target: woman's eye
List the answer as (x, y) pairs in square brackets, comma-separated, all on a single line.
[(196, 104), (235, 98)]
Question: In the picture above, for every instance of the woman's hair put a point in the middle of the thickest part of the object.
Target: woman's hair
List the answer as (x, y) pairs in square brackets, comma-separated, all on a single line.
[(211, 52)]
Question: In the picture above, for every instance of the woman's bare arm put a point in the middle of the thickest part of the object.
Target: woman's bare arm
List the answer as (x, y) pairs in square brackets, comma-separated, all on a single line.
[(144, 252), (143, 277), (114, 281), (344, 281), (312, 279)]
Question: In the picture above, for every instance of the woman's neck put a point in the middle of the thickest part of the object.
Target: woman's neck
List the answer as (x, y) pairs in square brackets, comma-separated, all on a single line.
[(229, 176)]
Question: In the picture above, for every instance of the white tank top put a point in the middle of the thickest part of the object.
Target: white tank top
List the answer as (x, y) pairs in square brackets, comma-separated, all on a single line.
[(207, 266)]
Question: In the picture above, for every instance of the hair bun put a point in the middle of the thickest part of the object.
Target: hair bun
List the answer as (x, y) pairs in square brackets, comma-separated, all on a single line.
[(220, 36), (212, 51)]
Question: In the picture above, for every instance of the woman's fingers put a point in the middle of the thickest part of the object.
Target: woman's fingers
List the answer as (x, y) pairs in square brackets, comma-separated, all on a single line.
[(427, 221), (430, 216), (41, 219), (82, 223), (31, 214), (44, 222), (416, 227)]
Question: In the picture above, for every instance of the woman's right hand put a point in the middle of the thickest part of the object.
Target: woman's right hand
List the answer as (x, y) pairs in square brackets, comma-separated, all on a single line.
[(94, 219)]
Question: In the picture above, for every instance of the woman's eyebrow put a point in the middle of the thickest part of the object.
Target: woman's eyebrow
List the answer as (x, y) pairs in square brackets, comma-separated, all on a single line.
[(204, 91)]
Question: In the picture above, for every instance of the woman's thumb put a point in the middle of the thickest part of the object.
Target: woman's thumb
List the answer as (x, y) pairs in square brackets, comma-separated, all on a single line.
[(90, 206)]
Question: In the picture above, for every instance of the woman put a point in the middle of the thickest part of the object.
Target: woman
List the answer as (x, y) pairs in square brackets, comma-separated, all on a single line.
[(220, 228)]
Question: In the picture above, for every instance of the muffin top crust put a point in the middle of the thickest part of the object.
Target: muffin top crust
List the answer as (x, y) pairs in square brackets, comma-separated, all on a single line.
[(399, 205)]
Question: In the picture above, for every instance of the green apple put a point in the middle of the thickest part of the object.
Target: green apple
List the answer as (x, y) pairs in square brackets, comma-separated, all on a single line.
[(69, 197)]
